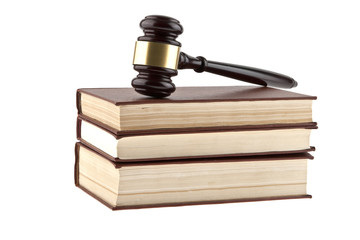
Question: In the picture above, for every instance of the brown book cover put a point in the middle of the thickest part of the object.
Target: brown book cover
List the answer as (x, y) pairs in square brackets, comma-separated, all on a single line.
[(121, 96), (243, 128), (127, 96), (188, 161)]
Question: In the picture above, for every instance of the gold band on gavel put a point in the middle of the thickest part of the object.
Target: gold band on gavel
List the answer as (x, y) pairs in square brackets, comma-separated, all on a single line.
[(156, 54)]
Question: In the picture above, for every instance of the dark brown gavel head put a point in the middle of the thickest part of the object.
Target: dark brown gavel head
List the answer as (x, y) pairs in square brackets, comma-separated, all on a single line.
[(156, 56)]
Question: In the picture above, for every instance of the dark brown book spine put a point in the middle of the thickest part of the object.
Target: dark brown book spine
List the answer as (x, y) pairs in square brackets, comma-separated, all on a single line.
[(76, 167)]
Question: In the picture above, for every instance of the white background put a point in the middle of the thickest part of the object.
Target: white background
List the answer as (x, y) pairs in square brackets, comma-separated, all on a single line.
[(48, 49)]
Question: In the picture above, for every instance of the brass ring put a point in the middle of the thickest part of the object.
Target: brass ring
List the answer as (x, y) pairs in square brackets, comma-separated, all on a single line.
[(156, 54)]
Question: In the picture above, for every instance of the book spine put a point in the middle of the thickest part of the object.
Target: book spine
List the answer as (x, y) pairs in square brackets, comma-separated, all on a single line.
[(78, 101), (76, 167), (78, 128)]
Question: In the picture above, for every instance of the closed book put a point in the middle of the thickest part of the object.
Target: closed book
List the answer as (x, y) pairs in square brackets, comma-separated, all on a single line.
[(122, 110), (188, 182), (239, 141)]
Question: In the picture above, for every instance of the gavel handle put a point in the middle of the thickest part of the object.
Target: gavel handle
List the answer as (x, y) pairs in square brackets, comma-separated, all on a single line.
[(243, 73)]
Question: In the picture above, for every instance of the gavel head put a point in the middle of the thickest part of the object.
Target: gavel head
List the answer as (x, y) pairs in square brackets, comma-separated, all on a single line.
[(156, 56)]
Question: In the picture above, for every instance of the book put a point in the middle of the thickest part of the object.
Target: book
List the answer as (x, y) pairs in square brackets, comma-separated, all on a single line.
[(123, 110), (187, 182), (198, 144)]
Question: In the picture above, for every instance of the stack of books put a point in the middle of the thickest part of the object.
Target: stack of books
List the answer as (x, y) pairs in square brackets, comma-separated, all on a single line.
[(201, 145)]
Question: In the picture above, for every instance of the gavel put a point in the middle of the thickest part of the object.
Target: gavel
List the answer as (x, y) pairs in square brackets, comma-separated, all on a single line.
[(157, 57)]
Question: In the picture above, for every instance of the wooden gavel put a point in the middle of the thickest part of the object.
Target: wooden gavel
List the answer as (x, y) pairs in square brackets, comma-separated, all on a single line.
[(157, 57)]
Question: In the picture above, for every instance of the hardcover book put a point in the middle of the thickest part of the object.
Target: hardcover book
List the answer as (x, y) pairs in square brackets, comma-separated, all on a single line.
[(201, 181), (123, 110), (198, 144)]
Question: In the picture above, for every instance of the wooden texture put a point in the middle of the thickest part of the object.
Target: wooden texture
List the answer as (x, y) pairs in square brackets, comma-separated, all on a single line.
[(242, 73), (156, 81)]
